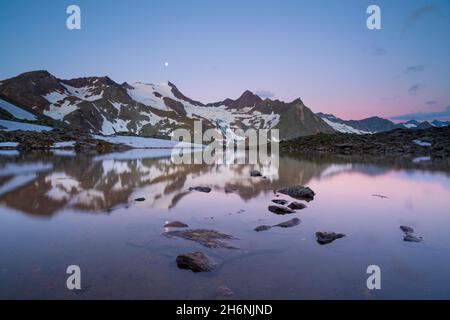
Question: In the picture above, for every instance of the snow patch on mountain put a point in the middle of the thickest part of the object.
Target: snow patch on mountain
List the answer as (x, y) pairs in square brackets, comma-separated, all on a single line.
[(59, 111), (83, 93), (145, 94), (341, 127), (17, 112)]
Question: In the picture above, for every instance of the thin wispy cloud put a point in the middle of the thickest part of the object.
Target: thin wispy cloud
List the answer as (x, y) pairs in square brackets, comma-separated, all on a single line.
[(265, 94), (414, 89), (421, 13), (416, 68), (431, 103), (425, 116), (378, 51)]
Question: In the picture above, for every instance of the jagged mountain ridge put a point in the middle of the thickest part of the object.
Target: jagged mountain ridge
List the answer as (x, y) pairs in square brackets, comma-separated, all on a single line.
[(100, 105), (375, 124)]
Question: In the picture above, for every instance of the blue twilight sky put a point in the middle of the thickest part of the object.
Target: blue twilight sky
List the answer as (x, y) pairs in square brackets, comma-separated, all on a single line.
[(318, 50)]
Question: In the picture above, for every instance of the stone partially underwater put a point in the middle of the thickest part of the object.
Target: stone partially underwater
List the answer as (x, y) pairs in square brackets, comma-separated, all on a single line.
[(205, 237)]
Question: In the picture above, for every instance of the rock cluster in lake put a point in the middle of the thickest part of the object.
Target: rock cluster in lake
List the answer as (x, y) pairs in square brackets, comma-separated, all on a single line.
[(409, 234)]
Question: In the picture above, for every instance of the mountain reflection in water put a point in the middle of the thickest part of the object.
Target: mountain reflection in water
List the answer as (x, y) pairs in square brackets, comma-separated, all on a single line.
[(45, 184)]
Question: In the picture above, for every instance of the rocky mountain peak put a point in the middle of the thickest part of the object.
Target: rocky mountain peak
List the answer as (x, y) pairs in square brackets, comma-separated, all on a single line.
[(177, 93), (247, 99)]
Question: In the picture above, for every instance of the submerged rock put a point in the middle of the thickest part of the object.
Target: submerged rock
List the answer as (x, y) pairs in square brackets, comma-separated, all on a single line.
[(296, 205), (207, 238), (299, 192), (195, 261), (262, 228), (288, 224), (412, 238), (224, 292), (407, 229), (409, 234), (280, 201), (176, 224), (328, 237), (201, 189), (255, 173), (139, 199), (280, 210)]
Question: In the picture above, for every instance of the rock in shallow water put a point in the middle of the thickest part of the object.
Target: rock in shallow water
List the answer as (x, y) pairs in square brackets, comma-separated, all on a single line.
[(207, 238), (409, 234), (296, 206), (289, 223), (176, 224), (286, 224), (280, 210), (201, 189), (299, 192), (328, 237), (195, 261), (412, 238), (407, 229), (262, 228), (280, 201)]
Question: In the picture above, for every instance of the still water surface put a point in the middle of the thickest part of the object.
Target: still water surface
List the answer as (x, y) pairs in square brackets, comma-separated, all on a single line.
[(60, 209)]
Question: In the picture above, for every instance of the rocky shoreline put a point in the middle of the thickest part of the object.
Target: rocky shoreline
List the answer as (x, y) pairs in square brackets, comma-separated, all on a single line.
[(45, 140), (434, 142)]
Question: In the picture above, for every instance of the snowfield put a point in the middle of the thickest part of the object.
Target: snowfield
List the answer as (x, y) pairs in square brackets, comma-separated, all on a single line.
[(7, 125), (146, 143), (422, 143), (340, 127), (17, 112)]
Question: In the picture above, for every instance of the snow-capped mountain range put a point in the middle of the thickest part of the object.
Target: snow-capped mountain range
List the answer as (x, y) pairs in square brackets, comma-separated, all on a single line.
[(375, 124), (37, 101), (100, 105)]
